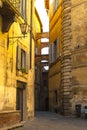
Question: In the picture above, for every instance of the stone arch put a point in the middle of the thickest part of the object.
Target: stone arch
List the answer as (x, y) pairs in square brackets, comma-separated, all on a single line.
[(45, 51)]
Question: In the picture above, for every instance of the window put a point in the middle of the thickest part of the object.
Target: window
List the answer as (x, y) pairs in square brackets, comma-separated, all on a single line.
[(56, 49), (51, 53), (22, 60), (55, 5), (20, 5), (23, 6)]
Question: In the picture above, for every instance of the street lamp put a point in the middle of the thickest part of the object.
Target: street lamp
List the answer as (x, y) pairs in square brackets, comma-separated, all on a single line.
[(23, 28)]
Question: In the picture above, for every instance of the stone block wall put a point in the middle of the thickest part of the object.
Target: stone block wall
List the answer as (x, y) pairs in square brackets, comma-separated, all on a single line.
[(73, 82), (9, 118), (79, 54), (66, 57)]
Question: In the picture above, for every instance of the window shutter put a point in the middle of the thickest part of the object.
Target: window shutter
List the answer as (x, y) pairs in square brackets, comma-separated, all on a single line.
[(27, 64), (50, 48), (23, 4), (52, 52), (18, 59), (58, 49)]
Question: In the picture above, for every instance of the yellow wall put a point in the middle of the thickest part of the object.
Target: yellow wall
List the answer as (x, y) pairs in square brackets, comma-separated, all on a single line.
[(52, 6), (10, 76), (55, 26), (37, 29), (37, 25), (3, 65)]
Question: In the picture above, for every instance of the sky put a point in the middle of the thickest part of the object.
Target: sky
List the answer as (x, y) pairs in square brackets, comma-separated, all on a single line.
[(43, 14), (39, 4)]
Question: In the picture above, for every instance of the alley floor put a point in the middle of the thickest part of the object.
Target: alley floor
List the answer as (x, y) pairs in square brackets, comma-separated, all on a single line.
[(52, 121)]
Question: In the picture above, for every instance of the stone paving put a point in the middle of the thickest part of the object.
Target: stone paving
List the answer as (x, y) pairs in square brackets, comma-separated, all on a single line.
[(52, 121)]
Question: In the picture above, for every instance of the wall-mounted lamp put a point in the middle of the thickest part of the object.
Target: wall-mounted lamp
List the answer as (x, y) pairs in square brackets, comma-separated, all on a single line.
[(23, 28)]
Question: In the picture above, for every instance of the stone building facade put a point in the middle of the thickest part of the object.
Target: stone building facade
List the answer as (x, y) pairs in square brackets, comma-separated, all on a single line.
[(37, 62), (16, 61), (68, 58), (41, 60), (41, 74)]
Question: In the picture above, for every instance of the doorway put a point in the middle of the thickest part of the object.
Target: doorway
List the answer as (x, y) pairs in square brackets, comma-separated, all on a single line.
[(21, 99)]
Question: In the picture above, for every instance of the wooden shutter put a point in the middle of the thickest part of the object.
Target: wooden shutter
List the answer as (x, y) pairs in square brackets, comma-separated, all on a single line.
[(18, 58), (52, 52), (58, 49), (27, 62)]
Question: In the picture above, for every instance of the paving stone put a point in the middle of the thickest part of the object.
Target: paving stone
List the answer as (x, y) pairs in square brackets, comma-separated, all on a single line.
[(53, 121)]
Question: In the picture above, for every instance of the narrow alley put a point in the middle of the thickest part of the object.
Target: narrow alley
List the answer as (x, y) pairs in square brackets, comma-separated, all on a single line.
[(52, 121), (43, 64)]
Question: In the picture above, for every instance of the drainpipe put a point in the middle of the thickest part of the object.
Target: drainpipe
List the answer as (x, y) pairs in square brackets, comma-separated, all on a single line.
[(31, 36)]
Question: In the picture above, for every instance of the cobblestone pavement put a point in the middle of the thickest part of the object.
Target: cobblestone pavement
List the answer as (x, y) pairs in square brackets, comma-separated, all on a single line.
[(52, 121)]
